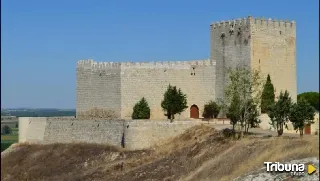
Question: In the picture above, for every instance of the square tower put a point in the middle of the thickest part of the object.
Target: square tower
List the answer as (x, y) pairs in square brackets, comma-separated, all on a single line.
[(265, 45)]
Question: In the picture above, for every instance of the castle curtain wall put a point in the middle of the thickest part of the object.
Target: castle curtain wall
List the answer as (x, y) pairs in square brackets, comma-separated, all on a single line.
[(150, 80), (98, 89)]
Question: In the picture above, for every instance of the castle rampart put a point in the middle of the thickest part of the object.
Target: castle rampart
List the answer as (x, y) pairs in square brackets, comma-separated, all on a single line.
[(130, 134), (96, 66), (126, 92)]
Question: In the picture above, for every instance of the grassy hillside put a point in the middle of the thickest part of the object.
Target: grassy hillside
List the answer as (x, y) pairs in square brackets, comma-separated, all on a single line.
[(201, 153)]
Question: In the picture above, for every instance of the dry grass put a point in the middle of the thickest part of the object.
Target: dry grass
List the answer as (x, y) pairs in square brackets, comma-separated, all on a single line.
[(201, 153)]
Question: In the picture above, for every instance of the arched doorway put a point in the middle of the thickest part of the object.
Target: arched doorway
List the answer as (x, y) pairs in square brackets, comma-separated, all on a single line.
[(307, 129), (194, 111)]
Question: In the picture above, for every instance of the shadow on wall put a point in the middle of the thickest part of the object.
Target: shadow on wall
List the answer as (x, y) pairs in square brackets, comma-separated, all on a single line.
[(123, 141)]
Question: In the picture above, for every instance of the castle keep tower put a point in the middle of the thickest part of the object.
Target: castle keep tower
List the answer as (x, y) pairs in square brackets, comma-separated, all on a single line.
[(266, 45)]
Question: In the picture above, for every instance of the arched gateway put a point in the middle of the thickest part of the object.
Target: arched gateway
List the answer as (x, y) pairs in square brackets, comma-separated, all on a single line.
[(194, 111)]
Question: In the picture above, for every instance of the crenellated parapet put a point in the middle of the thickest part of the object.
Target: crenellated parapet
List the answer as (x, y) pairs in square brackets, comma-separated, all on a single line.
[(257, 21), (166, 64), (274, 22), (90, 64), (230, 23)]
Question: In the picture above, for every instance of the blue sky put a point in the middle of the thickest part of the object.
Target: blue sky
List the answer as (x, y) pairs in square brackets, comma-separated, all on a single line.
[(41, 41)]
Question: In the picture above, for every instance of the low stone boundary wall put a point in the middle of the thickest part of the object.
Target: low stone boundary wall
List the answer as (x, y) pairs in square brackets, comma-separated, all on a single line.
[(131, 134)]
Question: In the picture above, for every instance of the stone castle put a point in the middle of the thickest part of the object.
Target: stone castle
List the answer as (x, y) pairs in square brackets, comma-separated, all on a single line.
[(112, 89)]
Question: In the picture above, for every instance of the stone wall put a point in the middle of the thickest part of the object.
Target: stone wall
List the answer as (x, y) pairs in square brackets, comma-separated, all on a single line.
[(98, 89), (265, 124), (140, 134), (274, 52), (230, 46), (150, 80), (117, 87), (32, 129), (92, 131), (132, 134)]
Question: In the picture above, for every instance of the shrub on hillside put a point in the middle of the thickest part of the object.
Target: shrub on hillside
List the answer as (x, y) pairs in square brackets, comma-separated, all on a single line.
[(227, 132), (211, 110), (6, 129), (141, 110)]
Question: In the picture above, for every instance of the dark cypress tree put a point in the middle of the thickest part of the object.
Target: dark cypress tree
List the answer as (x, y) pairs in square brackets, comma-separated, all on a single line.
[(268, 96), (141, 110), (174, 102)]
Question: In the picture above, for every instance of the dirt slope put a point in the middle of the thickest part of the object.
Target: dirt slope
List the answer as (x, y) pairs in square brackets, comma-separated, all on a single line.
[(201, 153)]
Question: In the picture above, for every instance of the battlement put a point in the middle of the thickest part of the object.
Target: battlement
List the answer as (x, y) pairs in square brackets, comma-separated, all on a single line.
[(236, 22), (90, 64), (257, 21)]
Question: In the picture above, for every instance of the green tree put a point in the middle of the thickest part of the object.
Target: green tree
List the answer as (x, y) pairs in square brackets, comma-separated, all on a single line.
[(233, 111), (141, 110), (301, 114), (279, 112), (312, 98), (6, 129), (211, 110), (174, 102), (268, 96), (253, 116), (247, 84)]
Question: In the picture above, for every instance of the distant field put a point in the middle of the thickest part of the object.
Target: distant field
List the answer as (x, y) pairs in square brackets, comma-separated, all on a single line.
[(15, 130), (10, 137), (8, 140)]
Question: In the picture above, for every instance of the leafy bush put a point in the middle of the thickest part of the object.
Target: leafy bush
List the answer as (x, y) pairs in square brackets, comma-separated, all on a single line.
[(141, 110), (5, 145), (6, 129), (311, 97), (301, 114), (174, 102), (211, 110), (227, 132), (279, 112)]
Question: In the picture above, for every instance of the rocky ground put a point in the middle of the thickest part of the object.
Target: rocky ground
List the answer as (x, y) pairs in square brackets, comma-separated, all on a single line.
[(201, 153)]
